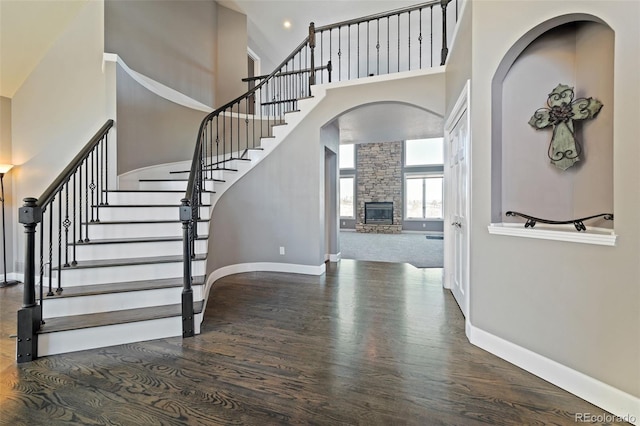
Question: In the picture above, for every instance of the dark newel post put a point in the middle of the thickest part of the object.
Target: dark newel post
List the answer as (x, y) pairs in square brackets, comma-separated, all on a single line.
[(187, 292), (312, 46), (29, 317), (445, 49)]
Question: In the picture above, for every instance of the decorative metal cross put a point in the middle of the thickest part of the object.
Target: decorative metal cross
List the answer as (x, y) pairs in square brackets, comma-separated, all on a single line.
[(564, 149)]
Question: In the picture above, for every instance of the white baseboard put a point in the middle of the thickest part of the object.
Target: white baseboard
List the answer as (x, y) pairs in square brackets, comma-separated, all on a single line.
[(15, 276), (259, 267), (613, 400), (335, 257)]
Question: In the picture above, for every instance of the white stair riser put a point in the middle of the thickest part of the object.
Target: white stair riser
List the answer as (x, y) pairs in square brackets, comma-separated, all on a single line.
[(116, 213), (172, 185), (255, 154), (135, 230), (114, 274), (66, 306), (134, 250), (151, 197), (100, 337), (213, 174)]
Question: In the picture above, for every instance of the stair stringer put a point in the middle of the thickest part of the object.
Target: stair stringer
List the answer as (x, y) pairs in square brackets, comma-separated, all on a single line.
[(267, 145)]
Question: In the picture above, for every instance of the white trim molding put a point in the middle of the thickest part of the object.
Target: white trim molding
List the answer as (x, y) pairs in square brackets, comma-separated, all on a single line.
[(239, 268), (621, 404), (335, 257), (156, 87), (598, 236)]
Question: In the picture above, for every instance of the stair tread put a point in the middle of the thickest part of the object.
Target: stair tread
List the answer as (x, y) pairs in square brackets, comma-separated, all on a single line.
[(122, 222), (99, 263), (77, 322), (187, 180), (134, 240), (154, 191), (97, 289), (143, 205)]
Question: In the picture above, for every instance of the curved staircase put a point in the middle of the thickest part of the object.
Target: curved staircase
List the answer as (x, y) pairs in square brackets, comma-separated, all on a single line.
[(127, 283)]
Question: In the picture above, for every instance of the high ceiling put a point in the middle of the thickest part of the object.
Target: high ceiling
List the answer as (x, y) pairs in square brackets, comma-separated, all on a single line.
[(266, 19), (27, 29)]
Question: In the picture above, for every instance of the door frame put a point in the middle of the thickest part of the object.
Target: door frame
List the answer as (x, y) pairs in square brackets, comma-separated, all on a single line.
[(461, 106)]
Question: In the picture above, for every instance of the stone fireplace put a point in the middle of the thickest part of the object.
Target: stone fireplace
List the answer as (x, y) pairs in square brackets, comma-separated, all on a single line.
[(379, 168)]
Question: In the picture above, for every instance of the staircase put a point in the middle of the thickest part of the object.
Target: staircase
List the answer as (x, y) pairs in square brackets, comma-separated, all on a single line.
[(127, 283)]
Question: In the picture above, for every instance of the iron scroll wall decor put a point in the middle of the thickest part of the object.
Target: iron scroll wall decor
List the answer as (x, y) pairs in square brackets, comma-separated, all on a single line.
[(578, 223)]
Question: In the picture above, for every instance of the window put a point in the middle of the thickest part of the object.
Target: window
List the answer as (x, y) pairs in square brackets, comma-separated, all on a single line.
[(423, 197), (347, 197), (347, 156), (422, 152)]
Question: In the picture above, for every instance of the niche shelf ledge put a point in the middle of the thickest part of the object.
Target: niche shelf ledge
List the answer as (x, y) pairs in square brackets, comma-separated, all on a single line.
[(597, 236)]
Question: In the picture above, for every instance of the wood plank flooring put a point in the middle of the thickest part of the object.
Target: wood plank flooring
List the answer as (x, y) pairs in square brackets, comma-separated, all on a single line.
[(368, 343)]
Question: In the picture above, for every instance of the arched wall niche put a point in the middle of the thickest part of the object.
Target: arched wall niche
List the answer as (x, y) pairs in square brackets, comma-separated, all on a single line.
[(576, 50)]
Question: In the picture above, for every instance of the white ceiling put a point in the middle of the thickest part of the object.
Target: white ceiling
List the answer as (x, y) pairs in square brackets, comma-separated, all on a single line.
[(265, 19), (28, 28), (388, 122)]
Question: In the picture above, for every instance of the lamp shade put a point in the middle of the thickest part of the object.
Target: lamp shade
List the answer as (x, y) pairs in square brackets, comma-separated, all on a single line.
[(4, 168)]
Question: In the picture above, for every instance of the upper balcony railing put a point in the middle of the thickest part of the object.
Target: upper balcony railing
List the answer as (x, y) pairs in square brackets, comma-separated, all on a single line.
[(405, 39)]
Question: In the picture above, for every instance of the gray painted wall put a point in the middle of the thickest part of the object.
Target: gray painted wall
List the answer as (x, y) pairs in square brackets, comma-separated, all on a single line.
[(231, 55), (67, 94), (280, 203), (151, 129), (5, 158), (173, 42), (576, 304)]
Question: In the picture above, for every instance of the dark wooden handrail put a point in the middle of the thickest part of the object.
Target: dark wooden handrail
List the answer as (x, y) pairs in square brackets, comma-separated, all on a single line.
[(382, 15), (68, 171)]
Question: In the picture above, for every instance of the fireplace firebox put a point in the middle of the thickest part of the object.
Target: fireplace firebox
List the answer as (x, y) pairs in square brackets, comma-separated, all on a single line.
[(378, 213)]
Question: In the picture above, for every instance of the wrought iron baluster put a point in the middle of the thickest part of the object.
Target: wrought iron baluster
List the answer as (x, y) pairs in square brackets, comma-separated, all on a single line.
[(431, 34), (358, 53), (217, 141), (246, 124), (41, 256), (339, 53), (398, 42), (50, 293), (94, 180), (59, 289), (66, 225), (420, 40), (409, 37), (224, 138), (74, 262), (378, 46), (100, 174), (106, 170), (80, 202), (86, 199), (92, 187), (368, 48), (388, 45), (349, 53)]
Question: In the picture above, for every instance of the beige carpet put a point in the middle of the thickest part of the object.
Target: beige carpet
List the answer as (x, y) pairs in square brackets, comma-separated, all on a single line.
[(413, 248)]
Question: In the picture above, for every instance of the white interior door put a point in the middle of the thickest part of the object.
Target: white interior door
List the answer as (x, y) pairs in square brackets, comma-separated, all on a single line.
[(457, 140)]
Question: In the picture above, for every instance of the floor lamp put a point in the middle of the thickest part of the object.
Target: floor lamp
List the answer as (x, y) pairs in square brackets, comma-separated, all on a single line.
[(4, 168)]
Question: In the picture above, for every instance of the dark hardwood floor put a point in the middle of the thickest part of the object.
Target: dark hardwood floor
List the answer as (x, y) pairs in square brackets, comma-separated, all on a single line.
[(368, 343)]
